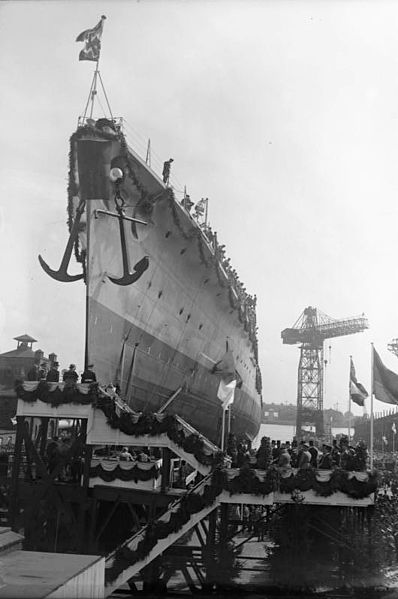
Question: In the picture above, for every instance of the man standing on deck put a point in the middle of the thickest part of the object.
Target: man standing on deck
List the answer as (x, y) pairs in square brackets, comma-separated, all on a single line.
[(166, 171)]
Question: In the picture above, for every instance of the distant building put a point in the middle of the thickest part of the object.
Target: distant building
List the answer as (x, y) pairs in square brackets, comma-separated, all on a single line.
[(14, 365)]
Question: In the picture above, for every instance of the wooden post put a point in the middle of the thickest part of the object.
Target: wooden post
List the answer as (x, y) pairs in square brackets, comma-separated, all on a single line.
[(44, 432), (165, 473), (223, 524), (209, 552), (13, 512)]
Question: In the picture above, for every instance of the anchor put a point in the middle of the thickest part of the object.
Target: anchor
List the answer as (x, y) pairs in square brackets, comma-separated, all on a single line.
[(62, 273), (140, 267)]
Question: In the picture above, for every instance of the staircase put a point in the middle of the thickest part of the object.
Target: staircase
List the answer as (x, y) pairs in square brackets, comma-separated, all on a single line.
[(161, 544), (100, 433)]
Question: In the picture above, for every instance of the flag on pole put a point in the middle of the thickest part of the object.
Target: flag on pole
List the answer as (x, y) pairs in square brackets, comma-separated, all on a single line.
[(92, 40), (394, 428), (358, 392), (385, 381), (226, 393), (200, 206), (229, 379)]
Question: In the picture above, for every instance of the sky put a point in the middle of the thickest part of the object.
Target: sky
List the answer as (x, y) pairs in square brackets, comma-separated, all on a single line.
[(284, 114)]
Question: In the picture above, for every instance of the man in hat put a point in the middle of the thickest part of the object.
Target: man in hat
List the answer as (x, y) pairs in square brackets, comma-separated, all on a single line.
[(314, 454), (304, 457), (326, 461), (53, 373), (33, 372), (70, 376), (88, 375)]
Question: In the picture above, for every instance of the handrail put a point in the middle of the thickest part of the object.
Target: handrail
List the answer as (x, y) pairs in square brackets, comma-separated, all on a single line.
[(161, 518)]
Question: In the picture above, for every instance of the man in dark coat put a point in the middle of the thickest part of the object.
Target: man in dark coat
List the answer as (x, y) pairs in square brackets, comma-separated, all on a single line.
[(88, 375), (70, 376), (53, 373), (33, 373)]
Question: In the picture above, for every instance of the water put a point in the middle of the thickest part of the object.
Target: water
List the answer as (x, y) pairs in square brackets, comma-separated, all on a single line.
[(286, 432)]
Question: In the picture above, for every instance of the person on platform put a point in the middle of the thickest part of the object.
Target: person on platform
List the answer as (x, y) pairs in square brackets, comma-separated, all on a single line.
[(335, 453), (53, 373), (304, 457), (70, 376), (284, 458), (125, 455), (314, 454), (326, 461), (88, 375), (33, 372)]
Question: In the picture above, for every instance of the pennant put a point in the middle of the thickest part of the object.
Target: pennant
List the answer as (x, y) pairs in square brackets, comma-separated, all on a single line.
[(358, 392), (385, 381), (92, 40), (394, 428)]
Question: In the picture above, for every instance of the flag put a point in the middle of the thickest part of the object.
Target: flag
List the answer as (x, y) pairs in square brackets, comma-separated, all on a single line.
[(230, 379), (358, 392), (385, 440), (394, 428), (226, 393), (385, 381), (200, 206), (92, 40)]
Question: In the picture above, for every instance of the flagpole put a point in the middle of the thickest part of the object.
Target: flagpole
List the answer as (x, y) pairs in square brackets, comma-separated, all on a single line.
[(223, 430), (349, 402), (94, 89), (371, 406)]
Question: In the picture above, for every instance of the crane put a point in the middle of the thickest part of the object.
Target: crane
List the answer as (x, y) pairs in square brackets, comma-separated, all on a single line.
[(310, 331)]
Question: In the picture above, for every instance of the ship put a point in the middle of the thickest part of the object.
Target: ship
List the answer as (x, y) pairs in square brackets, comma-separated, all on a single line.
[(164, 307)]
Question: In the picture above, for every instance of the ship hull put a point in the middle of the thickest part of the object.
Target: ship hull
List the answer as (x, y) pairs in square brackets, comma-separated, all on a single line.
[(165, 331)]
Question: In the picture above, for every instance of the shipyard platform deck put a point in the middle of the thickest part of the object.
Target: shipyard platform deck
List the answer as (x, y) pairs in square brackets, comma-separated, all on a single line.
[(89, 501)]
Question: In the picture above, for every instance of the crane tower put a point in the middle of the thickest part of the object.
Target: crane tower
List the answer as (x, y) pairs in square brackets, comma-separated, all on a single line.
[(310, 331)]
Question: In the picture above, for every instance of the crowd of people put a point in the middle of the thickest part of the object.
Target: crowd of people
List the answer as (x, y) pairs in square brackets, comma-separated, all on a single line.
[(301, 455), (41, 371)]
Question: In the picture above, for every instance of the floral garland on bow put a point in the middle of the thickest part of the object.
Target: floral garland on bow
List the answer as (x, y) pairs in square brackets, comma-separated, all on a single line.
[(148, 424)]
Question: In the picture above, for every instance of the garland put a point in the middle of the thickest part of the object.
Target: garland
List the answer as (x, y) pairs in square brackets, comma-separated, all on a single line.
[(305, 480), (70, 394), (190, 504), (135, 473), (148, 424), (245, 482)]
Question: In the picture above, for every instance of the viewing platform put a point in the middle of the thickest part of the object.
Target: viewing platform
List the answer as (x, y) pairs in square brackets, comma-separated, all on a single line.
[(159, 476)]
